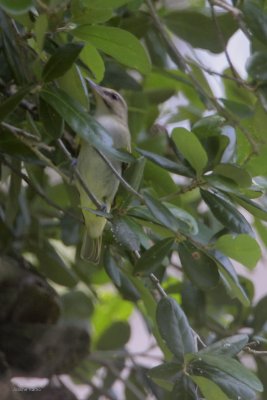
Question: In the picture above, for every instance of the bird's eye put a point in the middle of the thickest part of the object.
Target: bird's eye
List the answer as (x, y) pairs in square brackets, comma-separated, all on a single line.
[(114, 96)]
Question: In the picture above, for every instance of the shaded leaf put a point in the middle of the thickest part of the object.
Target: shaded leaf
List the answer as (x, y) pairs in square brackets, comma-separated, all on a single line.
[(229, 346), (123, 229), (59, 63), (16, 6), (115, 336), (200, 268), (8, 105), (225, 212), (209, 389), (174, 328), (152, 258), (234, 172), (112, 269)]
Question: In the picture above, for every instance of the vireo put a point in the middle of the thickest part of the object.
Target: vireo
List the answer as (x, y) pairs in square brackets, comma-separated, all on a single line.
[(112, 113)]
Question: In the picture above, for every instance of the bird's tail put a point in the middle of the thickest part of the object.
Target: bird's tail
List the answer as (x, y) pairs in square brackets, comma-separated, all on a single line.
[(91, 248)]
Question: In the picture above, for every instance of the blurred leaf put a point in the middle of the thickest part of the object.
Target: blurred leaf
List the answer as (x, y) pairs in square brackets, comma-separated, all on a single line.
[(241, 110), (256, 18), (52, 121), (76, 305), (259, 314), (199, 29), (251, 206), (241, 248), (200, 268), (152, 258), (225, 212), (184, 388), (73, 83), (115, 336), (256, 66), (209, 389), (40, 29), (53, 265), (16, 6), (8, 105), (59, 63), (117, 43), (112, 268), (190, 147), (174, 328)]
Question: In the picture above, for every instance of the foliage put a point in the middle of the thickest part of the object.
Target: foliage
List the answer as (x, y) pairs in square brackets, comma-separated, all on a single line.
[(196, 199)]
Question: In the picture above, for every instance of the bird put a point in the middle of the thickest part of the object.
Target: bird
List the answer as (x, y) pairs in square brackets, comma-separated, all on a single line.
[(111, 113)]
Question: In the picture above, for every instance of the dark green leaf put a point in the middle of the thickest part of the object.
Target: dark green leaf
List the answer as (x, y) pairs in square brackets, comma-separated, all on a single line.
[(152, 258), (257, 66), (200, 268), (167, 371), (233, 368), (7, 106), (167, 164), (117, 43), (82, 123), (199, 29), (256, 19), (123, 228), (76, 305), (61, 61), (230, 279), (161, 213), (242, 248), (241, 110), (259, 314), (230, 346), (112, 268), (225, 212), (114, 337), (251, 206), (53, 122), (174, 328)]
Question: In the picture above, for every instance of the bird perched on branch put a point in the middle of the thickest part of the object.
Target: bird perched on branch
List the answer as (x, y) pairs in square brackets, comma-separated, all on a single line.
[(112, 113)]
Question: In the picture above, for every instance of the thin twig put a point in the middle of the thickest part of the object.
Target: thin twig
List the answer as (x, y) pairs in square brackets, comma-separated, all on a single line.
[(100, 206), (108, 395), (118, 175), (247, 349)]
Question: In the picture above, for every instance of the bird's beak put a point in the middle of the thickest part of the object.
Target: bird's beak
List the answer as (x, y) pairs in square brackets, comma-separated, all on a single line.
[(97, 89)]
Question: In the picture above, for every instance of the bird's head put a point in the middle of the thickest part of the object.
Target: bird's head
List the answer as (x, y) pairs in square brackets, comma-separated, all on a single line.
[(109, 102)]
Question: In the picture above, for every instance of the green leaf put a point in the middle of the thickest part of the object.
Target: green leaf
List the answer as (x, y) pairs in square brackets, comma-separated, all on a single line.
[(52, 121), (16, 7), (184, 388), (259, 314), (40, 29), (191, 148), (256, 19), (200, 30), (230, 346), (257, 65), (82, 123), (167, 371), (59, 63), (174, 328), (167, 164), (242, 248), (73, 83), (209, 389), (152, 258), (9, 105), (117, 43), (225, 212), (233, 368), (76, 305), (123, 228), (93, 60), (112, 269), (114, 337), (251, 206), (108, 3), (241, 110), (161, 213), (234, 172), (230, 279), (200, 268)]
